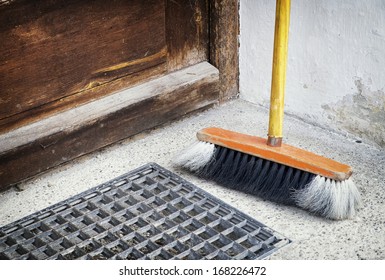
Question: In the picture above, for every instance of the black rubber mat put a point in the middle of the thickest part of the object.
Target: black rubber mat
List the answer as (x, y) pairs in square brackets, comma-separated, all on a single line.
[(149, 213)]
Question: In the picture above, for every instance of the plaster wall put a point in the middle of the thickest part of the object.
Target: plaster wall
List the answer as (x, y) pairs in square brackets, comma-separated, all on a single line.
[(336, 62)]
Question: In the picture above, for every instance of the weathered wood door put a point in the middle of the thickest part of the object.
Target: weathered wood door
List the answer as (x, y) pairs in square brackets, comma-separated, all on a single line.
[(58, 54), (78, 75)]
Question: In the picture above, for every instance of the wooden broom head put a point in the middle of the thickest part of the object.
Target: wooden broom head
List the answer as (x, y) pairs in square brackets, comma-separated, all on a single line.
[(285, 154)]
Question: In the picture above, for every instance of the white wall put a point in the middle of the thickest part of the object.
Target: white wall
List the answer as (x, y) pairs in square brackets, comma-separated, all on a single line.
[(336, 65)]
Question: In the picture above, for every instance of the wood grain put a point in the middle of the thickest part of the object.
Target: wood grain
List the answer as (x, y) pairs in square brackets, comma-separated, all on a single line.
[(39, 146), (187, 32), (58, 52), (224, 32)]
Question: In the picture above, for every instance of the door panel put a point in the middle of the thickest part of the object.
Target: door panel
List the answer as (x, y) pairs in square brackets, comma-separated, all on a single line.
[(58, 54)]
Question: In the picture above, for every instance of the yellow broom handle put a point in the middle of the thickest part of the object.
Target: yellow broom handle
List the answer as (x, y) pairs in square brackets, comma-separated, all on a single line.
[(281, 36)]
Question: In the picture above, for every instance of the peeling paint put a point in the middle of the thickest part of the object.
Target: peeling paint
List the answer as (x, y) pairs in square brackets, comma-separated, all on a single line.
[(361, 113)]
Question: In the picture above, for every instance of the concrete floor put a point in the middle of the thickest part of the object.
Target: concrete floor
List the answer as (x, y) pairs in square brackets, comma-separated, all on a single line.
[(313, 238)]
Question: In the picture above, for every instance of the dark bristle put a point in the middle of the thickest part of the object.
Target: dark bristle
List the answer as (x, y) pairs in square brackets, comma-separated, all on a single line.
[(266, 179)]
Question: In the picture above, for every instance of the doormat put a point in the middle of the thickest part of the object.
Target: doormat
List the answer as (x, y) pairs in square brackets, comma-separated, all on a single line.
[(148, 213)]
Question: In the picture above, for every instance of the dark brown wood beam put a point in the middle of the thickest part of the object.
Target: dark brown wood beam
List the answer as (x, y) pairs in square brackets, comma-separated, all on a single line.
[(39, 146), (224, 31)]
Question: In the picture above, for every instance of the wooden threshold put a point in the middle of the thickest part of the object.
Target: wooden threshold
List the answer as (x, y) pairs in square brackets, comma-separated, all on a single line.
[(37, 147)]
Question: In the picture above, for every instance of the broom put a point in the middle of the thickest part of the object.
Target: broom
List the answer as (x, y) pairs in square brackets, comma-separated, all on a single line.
[(269, 168)]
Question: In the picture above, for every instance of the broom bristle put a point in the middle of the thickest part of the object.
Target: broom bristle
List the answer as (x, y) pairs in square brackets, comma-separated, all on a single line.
[(329, 198), (270, 180)]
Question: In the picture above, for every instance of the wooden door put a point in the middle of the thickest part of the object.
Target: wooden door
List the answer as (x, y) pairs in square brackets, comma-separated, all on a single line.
[(78, 75), (59, 54)]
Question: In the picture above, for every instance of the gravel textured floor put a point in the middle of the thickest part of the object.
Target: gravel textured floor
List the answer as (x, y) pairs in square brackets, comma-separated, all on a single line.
[(313, 238)]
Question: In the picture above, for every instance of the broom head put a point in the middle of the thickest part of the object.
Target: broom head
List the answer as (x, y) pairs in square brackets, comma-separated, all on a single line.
[(285, 174)]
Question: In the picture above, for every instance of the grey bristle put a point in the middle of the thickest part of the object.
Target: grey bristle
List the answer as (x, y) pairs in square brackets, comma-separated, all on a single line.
[(195, 157), (329, 198)]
